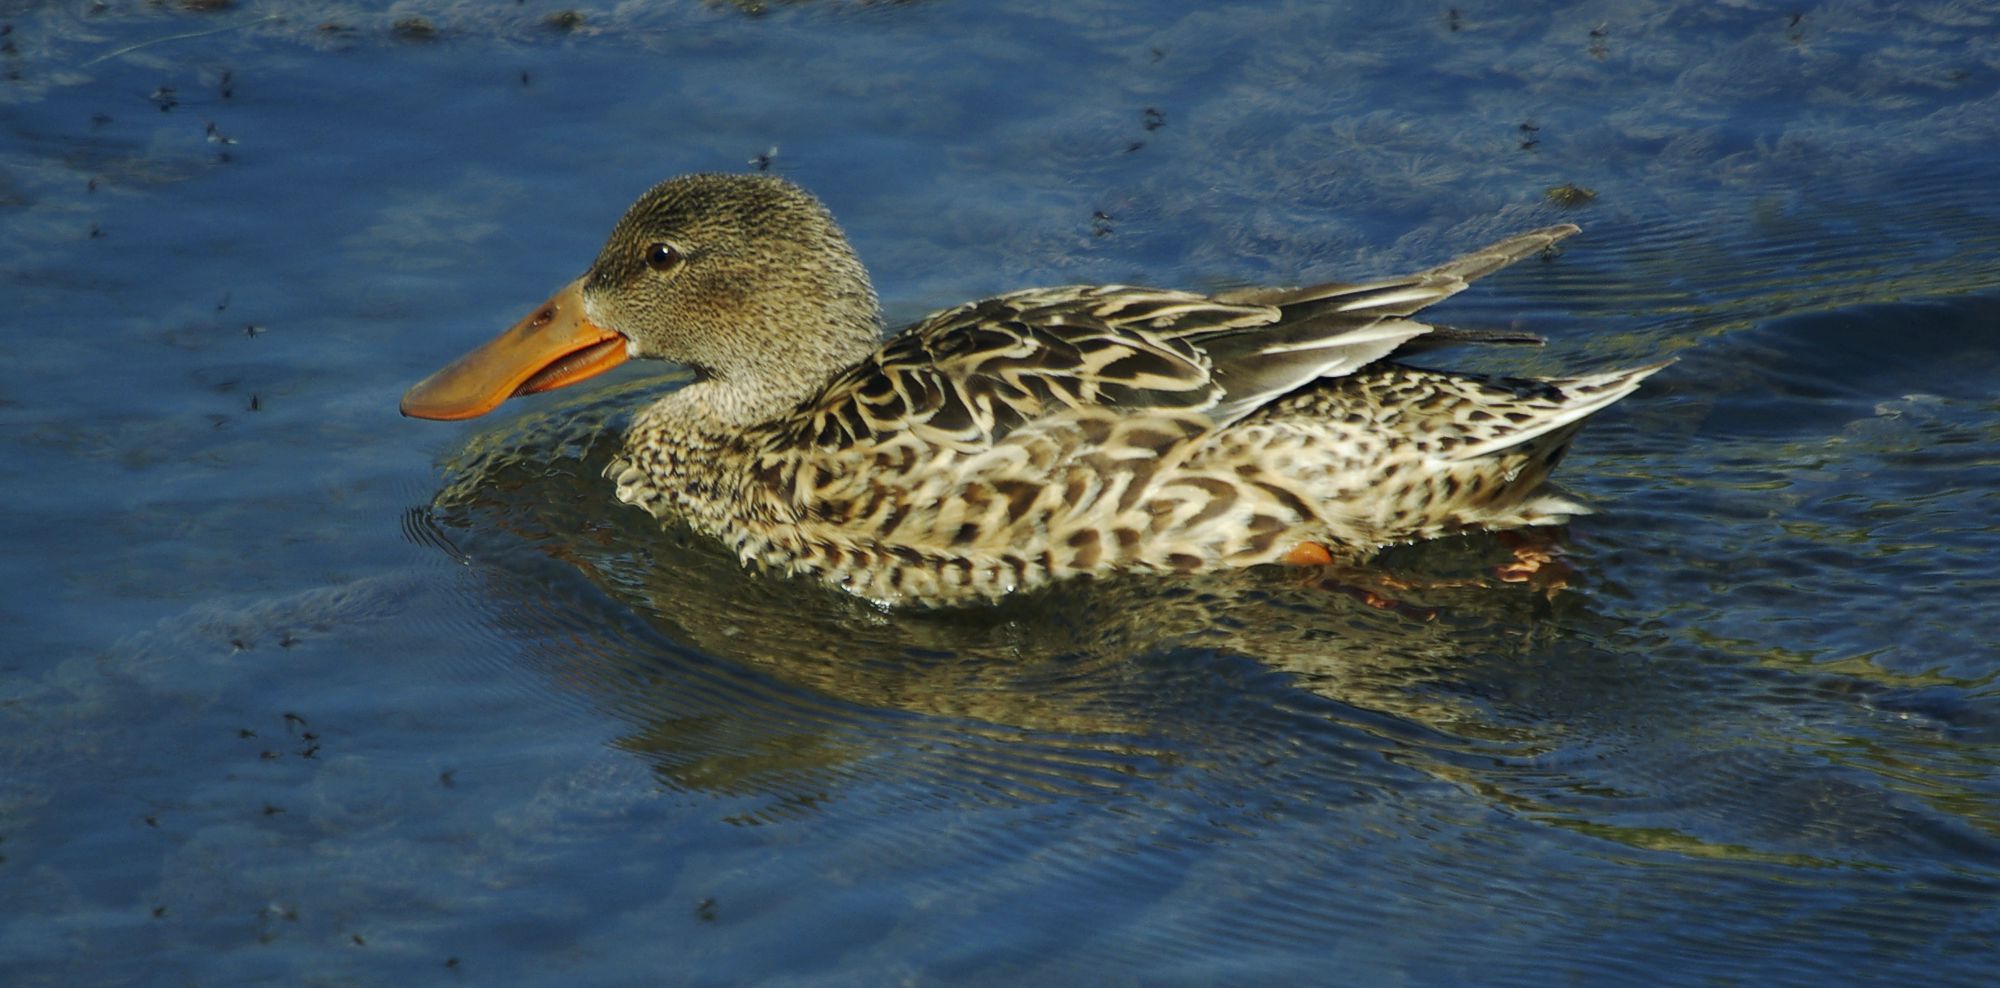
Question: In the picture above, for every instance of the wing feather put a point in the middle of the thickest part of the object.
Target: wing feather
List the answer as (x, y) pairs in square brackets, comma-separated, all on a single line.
[(967, 377)]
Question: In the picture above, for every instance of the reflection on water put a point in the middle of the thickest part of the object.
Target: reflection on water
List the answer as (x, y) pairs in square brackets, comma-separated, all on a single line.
[(295, 689)]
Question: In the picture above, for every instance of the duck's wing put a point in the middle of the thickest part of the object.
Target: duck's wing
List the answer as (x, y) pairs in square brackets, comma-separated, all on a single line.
[(966, 377)]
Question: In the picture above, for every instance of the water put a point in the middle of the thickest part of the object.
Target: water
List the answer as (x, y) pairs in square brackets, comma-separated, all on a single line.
[(297, 690)]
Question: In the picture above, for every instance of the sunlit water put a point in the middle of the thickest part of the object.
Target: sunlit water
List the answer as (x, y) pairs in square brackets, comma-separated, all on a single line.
[(297, 690)]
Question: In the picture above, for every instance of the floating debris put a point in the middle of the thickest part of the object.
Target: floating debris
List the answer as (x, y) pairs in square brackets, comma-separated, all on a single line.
[(1570, 195), (564, 20)]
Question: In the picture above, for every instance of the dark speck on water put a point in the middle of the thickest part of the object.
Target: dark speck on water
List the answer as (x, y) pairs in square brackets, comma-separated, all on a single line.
[(1750, 740)]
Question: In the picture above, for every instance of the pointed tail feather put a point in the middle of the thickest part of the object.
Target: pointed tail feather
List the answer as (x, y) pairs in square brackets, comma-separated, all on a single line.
[(1583, 397)]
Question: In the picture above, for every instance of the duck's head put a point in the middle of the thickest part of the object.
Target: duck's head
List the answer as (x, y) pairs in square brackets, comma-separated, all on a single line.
[(746, 279)]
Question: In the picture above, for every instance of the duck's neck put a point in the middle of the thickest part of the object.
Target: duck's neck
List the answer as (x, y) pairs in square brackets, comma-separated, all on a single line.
[(758, 388), (710, 411)]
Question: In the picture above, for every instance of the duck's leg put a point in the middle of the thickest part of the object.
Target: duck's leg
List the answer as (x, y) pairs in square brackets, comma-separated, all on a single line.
[(1307, 554), (1370, 586), (1537, 560)]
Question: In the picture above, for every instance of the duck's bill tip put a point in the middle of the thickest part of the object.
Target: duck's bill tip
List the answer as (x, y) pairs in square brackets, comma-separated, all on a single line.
[(553, 347)]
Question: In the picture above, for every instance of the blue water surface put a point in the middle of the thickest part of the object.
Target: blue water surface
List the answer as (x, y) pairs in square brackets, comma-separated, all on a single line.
[(295, 690)]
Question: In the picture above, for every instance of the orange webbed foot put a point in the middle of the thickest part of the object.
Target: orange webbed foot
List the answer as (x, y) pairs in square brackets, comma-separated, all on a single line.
[(1536, 561), (1365, 585)]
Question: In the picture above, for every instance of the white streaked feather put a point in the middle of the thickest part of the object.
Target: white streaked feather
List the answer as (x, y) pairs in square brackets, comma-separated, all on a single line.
[(1426, 294), (1584, 403)]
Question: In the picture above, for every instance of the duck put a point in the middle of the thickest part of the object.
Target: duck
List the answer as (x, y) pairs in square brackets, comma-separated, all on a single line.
[(1043, 435)]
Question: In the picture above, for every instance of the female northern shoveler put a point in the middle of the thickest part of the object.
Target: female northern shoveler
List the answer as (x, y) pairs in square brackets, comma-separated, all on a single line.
[(1033, 436)]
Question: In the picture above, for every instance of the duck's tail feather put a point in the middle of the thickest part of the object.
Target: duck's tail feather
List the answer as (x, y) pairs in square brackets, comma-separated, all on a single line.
[(1334, 329), (1405, 295), (1582, 397)]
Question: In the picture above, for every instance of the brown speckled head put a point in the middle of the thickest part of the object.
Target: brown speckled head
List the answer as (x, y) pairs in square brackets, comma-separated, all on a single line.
[(745, 278)]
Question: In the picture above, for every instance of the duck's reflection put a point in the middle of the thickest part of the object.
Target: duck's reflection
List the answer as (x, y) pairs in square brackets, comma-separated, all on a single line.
[(1237, 685), (736, 676)]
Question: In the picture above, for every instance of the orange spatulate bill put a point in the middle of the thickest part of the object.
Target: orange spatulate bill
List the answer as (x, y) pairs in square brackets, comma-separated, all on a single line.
[(553, 347)]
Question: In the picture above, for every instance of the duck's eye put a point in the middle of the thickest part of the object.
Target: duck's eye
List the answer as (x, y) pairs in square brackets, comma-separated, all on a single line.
[(662, 257)]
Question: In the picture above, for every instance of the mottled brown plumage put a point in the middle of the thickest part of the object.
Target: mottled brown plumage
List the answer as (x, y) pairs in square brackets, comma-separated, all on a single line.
[(1049, 433)]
